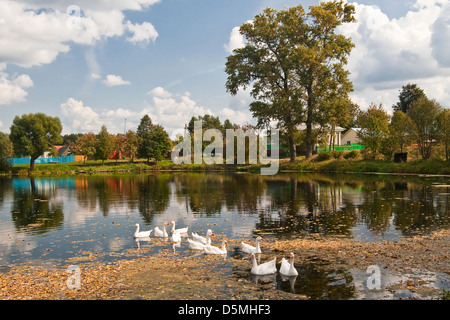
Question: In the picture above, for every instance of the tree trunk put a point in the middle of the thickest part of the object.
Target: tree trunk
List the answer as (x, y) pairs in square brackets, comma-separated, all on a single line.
[(32, 164), (292, 149), (308, 139)]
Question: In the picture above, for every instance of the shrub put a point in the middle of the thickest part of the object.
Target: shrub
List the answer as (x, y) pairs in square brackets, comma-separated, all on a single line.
[(354, 154)]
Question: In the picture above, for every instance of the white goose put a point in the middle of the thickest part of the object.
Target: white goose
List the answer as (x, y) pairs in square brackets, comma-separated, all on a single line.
[(268, 267), (246, 248), (182, 230), (141, 234), (201, 239), (161, 233), (176, 237), (208, 249), (287, 268), (195, 245)]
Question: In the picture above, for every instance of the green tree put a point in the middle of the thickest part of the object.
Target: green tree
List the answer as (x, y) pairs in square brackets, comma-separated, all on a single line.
[(400, 128), (131, 144), (374, 125), (295, 61), (443, 122), (6, 151), (160, 142), (144, 135), (86, 145), (33, 134), (154, 141), (409, 94), (104, 145), (424, 113)]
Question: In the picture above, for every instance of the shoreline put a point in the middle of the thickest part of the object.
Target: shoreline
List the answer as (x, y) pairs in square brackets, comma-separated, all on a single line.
[(165, 277), (436, 168)]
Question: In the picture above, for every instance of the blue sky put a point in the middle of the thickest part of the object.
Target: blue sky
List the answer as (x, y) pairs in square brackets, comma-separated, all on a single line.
[(166, 58)]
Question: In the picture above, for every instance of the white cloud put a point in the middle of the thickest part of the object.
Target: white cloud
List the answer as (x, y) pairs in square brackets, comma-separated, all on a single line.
[(30, 36), (142, 33), (235, 116), (113, 81), (160, 92), (172, 112), (390, 53), (76, 117), (236, 40), (165, 108), (12, 89)]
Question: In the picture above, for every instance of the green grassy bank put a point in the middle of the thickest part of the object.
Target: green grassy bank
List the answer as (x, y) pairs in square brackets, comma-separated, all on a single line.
[(437, 167)]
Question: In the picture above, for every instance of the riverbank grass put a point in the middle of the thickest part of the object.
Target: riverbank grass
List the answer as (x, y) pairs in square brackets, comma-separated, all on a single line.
[(316, 164)]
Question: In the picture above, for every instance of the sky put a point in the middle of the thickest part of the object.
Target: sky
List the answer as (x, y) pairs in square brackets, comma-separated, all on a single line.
[(111, 62)]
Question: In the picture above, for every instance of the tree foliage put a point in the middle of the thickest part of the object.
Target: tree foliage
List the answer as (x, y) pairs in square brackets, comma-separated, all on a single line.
[(154, 141), (86, 145), (374, 125), (104, 145), (6, 151), (409, 94), (295, 63), (34, 134), (443, 123), (424, 113)]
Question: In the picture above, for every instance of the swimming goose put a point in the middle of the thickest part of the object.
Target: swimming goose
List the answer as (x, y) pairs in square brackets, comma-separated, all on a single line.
[(196, 245), (182, 230), (287, 268), (161, 233), (268, 267), (246, 248), (176, 237), (208, 249), (141, 234), (201, 239)]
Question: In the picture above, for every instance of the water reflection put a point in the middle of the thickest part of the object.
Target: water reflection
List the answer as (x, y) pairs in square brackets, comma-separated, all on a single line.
[(35, 207), (285, 205)]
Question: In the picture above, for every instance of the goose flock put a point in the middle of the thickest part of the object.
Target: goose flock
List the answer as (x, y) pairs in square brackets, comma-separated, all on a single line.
[(201, 243)]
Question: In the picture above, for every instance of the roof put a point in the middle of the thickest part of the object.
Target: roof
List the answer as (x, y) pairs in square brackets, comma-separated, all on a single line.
[(302, 127)]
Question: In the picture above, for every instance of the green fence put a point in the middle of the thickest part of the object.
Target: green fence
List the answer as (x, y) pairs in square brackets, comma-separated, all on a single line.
[(348, 147)]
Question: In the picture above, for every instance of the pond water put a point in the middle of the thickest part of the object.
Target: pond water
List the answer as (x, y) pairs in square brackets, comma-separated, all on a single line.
[(62, 220)]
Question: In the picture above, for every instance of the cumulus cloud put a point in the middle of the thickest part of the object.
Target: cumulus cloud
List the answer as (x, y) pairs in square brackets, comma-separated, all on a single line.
[(12, 89), (142, 33), (76, 117), (390, 53), (172, 111), (236, 40), (32, 36), (113, 81), (160, 92)]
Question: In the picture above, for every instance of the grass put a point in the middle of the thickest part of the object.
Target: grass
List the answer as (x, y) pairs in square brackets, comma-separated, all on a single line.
[(319, 164)]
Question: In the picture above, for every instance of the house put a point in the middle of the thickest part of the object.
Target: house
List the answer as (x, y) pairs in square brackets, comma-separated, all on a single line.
[(351, 136), (337, 132)]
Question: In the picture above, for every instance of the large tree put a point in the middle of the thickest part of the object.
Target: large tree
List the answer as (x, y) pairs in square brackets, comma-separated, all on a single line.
[(104, 145), (408, 94), (443, 122), (424, 113), (6, 151), (34, 133), (374, 123), (294, 62), (154, 141)]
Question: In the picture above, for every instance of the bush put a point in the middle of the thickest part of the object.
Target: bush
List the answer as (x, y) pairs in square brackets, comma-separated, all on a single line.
[(352, 155), (329, 155)]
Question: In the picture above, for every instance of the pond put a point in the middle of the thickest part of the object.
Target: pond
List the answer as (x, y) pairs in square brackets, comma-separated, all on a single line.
[(58, 220)]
